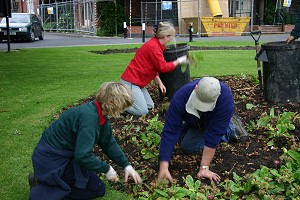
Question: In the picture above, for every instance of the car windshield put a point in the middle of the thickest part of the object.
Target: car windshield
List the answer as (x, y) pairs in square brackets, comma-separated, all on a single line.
[(17, 18), (3, 21)]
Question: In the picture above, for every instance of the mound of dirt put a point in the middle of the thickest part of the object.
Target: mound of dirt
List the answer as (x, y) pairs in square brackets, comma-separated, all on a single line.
[(192, 48)]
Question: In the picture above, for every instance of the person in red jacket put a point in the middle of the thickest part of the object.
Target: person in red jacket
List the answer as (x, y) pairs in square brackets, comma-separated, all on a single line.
[(146, 64)]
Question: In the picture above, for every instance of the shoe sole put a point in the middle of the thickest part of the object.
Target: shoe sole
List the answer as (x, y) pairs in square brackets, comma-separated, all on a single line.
[(237, 121)]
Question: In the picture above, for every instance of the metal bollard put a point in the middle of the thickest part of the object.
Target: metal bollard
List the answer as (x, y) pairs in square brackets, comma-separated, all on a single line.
[(191, 29), (125, 29), (143, 30)]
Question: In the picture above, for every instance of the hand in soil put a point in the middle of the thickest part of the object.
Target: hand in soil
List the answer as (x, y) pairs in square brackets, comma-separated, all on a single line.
[(206, 173), (164, 174)]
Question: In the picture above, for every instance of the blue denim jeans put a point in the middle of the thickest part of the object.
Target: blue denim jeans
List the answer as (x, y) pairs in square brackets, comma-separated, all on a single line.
[(192, 138), (142, 100)]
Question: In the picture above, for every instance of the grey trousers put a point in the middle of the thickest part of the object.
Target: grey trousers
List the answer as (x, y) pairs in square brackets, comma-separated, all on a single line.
[(142, 101)]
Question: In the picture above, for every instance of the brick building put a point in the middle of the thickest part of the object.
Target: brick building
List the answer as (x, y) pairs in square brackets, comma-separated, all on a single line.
[(152, 11)]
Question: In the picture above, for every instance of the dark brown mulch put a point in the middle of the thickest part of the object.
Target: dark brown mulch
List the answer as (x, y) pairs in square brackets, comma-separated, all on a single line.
[(192, 48), (241, 158)]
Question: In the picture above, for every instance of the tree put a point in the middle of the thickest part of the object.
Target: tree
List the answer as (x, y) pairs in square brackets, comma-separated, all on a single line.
[(110, 18)]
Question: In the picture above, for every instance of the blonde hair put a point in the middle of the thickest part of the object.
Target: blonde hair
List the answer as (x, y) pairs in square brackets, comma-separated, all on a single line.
[(114, 98), (164, 29)]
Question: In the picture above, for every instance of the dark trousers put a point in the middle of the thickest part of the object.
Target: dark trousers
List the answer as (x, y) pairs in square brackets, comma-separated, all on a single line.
[(192, 139), (94, 188)]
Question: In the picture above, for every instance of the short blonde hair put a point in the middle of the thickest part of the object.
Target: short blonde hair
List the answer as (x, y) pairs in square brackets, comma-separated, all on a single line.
[(164, 29), (114, 98)]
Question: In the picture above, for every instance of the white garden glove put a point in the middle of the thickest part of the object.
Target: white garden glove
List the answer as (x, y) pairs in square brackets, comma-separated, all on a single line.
[(129, 171), (183, 59), (112, 175)]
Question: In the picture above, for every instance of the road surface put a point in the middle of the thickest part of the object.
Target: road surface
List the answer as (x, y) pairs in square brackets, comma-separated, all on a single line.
[(68, 39)]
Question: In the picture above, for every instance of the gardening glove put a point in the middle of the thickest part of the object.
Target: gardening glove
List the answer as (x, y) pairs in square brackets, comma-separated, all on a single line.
[(129, 171), (112, 175), (183, 60)]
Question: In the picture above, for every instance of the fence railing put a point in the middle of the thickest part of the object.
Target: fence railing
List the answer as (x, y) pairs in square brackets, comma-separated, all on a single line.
[(81, 16), (69, 16)]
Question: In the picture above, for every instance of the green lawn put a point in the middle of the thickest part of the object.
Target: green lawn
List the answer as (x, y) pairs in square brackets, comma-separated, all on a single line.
[(35, 84)]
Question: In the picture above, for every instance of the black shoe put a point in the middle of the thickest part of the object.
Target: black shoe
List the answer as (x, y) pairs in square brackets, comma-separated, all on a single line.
[(241, 135), (32, 180)]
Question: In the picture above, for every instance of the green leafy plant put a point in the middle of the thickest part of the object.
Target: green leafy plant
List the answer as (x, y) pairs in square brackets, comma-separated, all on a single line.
[(267, 183), (250, 106), (193, 187), (195, 59), (174, 192), (276, 125), (251, 126), (269, 12), (236, 187), (264, 183), (111, 16), (254, 79), (49, 25), (65, 21), (149, 140)]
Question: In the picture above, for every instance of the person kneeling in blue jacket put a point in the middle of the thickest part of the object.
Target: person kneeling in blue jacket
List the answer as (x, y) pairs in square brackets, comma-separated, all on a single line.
[(200, 116), (64, 164), (295, 33)]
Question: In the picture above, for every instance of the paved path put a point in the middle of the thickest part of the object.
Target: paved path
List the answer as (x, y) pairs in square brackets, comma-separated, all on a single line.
[(119, 40), (64, 40)]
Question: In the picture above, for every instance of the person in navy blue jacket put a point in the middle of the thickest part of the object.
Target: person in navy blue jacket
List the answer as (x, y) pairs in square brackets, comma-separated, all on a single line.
[(200, 116), (295, 34)]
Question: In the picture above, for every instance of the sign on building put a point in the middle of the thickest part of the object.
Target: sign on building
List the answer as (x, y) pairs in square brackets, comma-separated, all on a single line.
[(287, 3), (166, 5), (50, 10)]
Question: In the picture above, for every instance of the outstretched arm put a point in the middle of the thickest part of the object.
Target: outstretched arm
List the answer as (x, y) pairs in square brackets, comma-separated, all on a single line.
[(160, 84)]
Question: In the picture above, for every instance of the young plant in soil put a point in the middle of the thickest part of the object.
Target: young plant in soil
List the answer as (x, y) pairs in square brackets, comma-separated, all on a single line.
[(277, 126)]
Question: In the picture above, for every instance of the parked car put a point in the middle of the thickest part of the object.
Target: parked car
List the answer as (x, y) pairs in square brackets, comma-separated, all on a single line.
[(22, 26)]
